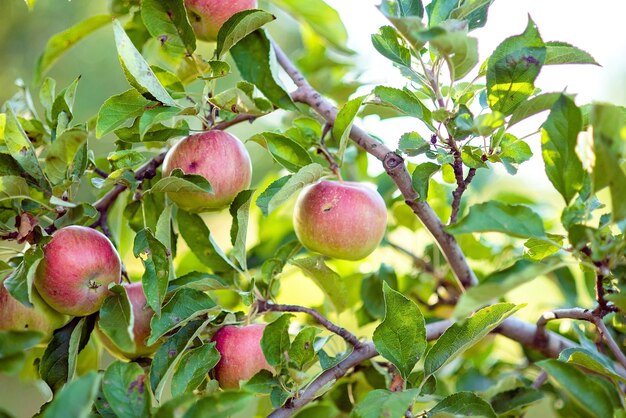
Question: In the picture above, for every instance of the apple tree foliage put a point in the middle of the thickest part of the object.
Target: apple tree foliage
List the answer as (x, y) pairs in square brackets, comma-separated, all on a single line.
[(424, 342)]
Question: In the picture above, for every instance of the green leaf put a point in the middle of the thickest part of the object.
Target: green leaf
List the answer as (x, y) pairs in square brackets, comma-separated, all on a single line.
[(20, 282), (198, 237), (138, 72), (440, 10), (58, 363), (198, 281), (382, 403), (155, 259), (252, 56), (326, 279), (533, 106), (403, 101), (126, 158), (169, 354), (21, 149), (592, 361), (538, 249), (499, 283), (13, 187), (494, 216), (167, 21), (238, 26), (75, 399), (154, 116), (558, 145), (118, 109), (474, 11), (275, 341), (60, 154), (117, 320), (282, 189), (16, 342), (322, 18), (221, 404), (459, 50), (240, 212), (193, 369), (564, 53), (464, 334), (401, 337), (581, 389), (238, 100), (463, 404), (302, 349), (514, 151), (186, 305), (387, 43), (61, 42), (421, 178), (513, 68), (123, 385), (343, 123), (179, 182), (412, 144), (402, 8), (286, 152)]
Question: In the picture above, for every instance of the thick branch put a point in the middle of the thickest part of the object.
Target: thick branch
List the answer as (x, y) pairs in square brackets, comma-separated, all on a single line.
[(393, 165), (265, 306)]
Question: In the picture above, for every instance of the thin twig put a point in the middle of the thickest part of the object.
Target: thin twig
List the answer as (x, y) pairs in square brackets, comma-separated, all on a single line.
[(540, 380), (393, 165), (419, 262), (101, 172), (265, 306)]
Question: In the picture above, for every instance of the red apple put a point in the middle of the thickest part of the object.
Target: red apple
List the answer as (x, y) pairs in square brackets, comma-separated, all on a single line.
[(16, 317), (143, 314), (217, 156), (242, 357), (340, 219), (208, 16), (79, 264)]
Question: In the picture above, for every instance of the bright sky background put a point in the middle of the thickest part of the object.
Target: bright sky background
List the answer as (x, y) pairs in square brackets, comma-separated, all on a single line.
[(595, 26)]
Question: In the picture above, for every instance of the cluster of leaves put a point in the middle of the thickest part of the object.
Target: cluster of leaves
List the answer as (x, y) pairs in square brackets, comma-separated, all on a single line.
[(47, 167)]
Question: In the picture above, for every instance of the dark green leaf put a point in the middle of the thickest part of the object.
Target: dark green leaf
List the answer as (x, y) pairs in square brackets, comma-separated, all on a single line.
[(558, 145), (238, 26), (513, 68), (412, 144), (252, 56), (179, 182), (124, 386), (388, 44), (138, 72), (186, 305), (118, 109), (402, 8), (282, 189), (275, 341), (402, 100), (15, 342), (463, 404), (58, 363), (421, 178), (221, 404), (564, 53), (198, 237), (240, 212), (302, 349), (193, 368), (494, 216), (167, 21), (464, 334), (155, 259), (401, 337), (60, 154), (198, 281), (286, 152), (20, 282), (75, 399), (533, 106), (439, 10), (474, 11), (592, 361), (61, 42), (325, 278)]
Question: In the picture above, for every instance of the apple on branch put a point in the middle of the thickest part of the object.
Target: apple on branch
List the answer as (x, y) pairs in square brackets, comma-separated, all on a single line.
[(241, 354), (343, 220), (78, 265), (217, 156), (208, 16)]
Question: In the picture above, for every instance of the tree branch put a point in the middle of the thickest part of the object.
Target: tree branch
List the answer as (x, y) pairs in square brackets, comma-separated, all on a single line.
[(265, 306), (393, 165)]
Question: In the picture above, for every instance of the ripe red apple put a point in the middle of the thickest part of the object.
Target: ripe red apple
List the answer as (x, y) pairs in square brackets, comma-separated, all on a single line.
[(217, 156), (79, 264), (340, 219), (242, 357), (143, 314), (16, 317), (208, 16)]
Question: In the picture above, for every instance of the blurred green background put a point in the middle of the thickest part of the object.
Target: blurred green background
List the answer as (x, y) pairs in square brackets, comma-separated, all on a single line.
[(24, 34)]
